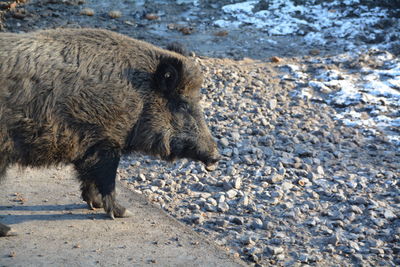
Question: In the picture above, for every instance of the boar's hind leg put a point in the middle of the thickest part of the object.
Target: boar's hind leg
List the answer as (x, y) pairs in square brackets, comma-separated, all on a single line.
[(91, 195), (99, 167)]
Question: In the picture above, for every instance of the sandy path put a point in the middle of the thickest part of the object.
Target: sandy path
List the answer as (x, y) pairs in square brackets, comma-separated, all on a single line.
[(55, 228)]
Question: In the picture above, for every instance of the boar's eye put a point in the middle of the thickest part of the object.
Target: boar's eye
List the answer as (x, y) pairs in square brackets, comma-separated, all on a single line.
[(168, 75)]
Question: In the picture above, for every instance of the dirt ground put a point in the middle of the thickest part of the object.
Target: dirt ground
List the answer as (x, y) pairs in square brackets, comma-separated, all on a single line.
[(55, 228), (159, 22)]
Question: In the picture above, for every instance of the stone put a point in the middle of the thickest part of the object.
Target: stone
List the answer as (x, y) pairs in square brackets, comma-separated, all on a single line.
[(333, 240), (194, 206), (237, 220), (257, 223), (275, 178), (221, 223), (197, 219), (115, 14), (377, 250), (237, 184), (235, 136), (286, 186), (212, 201), (302, 151), (320, 170), (244, 200), (231, 171), (231, 193), (248, 240), (275, 250), (224, 142), (159, 183), (87, 12), (223, 207), (271, 104), (209, 207), (388, 214), (141, 177)]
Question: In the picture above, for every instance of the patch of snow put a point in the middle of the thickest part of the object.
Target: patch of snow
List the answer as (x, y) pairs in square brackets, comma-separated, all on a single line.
[(330, 75), (379, 88), (225, 23), (370, 99), (344, 21), (320, 86), (349, 94), (243, 7)]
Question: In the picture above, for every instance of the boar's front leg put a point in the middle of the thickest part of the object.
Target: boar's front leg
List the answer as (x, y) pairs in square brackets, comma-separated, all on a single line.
[(98, 167)]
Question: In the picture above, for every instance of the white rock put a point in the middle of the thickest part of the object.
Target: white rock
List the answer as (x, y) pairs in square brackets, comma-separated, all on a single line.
[(231, 193), (223, 207), (237, 183)]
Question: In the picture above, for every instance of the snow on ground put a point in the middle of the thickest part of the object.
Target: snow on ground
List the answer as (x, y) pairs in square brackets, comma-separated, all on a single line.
[(369, 98), (343, 22), (375, 90)]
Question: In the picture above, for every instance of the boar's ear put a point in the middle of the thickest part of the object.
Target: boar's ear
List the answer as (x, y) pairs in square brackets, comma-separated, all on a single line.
[(168, 74), (178, 48)]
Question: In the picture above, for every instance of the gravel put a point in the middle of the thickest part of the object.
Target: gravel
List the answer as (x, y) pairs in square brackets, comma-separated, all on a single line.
[(295, 186)]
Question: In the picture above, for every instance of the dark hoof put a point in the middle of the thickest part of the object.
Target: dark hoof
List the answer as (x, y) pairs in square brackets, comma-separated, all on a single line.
[(120, 214), (94, 204), (6, 230), (113, 209), (91, 195)]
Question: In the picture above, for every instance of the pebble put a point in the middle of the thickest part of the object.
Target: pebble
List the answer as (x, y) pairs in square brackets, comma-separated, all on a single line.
[(286, 186), (354, 245), (248, 241), (222, 223), (198, 219), (237, 220), (377, 251), (275, 178), (271, 104), (209, 207), (87, 12), (115, 14), (244, 200), (224, 142), (320, 170), (223, 207), (235, 136), (231, 171), (231, 193), (389, 215), (237, 184), (268, 225), (141, 177), (257, 223), (212, 201), (275, 250), (159, 183)]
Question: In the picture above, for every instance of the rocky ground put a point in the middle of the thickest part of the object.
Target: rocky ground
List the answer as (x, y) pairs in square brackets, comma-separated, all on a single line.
[(310, 136), (296, 185)]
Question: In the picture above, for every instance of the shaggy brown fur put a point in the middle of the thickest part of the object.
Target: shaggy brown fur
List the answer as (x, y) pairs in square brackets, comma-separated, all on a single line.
[(86, 96)]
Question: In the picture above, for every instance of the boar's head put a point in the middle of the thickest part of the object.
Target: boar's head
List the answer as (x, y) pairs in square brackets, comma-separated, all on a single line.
[(172, 123)]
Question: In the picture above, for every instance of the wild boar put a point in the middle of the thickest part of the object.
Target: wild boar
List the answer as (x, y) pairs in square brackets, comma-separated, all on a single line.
[(87, 96)]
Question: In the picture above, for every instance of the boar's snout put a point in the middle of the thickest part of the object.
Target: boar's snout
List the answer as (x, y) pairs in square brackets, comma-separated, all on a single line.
[(201, 149), (214, 156)]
